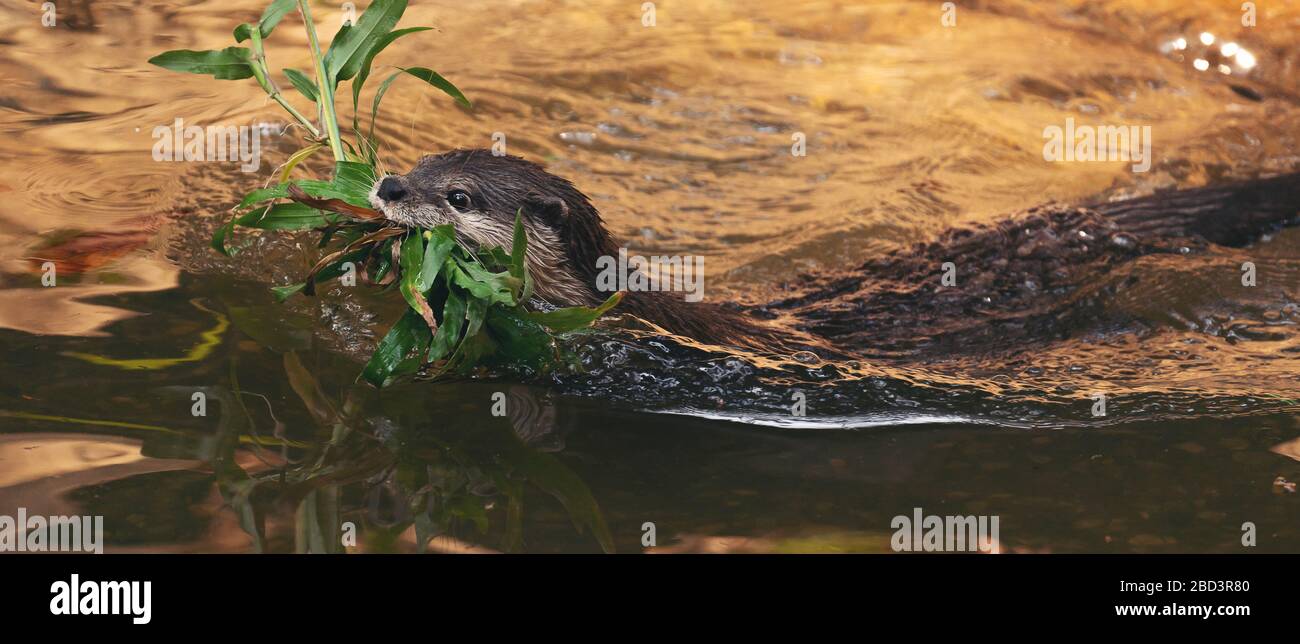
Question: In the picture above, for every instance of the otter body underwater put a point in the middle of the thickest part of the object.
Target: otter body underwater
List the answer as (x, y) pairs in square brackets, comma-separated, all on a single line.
[(1030, 276)]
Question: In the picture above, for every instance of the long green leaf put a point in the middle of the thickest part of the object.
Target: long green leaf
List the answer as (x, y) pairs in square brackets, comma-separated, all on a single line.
[(475, 347), (310, 186), (412, 253), (379, 46), (283, 293), (354, 180), (453, 320), (441, 241), (379, 96), (574, 317), (495, 288), (231, 63), (397, 343), (475, 312), (263, 194), (433, 78), (298, 157), (286, 216), (302, 83), (519, 257), (520, 339), (426, 75), (385, 262), (349, 48), (219, 237)]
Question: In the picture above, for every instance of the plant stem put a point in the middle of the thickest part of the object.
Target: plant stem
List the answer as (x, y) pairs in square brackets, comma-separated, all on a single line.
[(329, 120), (263, 75)]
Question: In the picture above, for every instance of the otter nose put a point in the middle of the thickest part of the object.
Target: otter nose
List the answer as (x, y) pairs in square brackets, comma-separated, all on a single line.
[(390, 189)]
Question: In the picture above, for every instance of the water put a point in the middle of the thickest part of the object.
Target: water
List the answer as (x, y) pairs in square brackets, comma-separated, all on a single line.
[(680, 133)]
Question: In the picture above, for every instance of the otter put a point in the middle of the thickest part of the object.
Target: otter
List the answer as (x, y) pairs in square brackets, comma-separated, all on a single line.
[(1026, 277)]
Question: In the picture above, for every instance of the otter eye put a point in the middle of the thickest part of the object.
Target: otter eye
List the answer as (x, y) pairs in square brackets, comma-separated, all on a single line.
[(459, 199)]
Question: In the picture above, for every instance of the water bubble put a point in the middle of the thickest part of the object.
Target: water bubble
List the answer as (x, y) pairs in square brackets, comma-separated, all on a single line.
[(1124, 240)]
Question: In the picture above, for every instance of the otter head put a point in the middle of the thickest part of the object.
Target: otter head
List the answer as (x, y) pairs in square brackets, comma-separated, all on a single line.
[(480, 193)]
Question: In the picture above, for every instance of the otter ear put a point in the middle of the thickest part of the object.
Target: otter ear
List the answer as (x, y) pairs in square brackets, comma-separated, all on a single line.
[(549, 208)]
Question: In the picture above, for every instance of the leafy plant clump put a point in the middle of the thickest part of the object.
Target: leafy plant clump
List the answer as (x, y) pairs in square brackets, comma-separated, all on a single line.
[(465, 308)]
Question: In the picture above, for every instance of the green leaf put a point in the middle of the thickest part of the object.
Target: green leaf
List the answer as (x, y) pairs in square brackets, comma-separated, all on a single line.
[(405, 335), (494, 259), (298, 157), (411, 364), (330, 190), (219, 237), (379, 96), (353, 188), (231, 63), (283, 293), (431, 77), (384, 263), (349, 48), (436, 252), (475, 312), (495, 288), (354, 180), (286, 216), (426, 75), (519, 246), (574, 317), (453, 320), (360, 81), (473, 350), (302, 83), (263, 194), (520, 339), (519, 257), (277, 10), (378, 46), (412, 254)]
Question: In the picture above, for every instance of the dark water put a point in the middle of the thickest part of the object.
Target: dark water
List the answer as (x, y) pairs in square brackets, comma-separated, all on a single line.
[(680, 133)]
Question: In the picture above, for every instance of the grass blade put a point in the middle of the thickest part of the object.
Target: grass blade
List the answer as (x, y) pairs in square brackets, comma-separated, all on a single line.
[(379, 46), (285, 216), (400, 340), (231, 63), (433, 78), (298, 157), (348, 50), (301, 83), (441, 242), (574, 317)]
